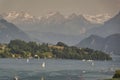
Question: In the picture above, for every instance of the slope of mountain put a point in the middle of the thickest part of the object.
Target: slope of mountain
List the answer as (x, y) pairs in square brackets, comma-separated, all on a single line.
[(110, 27), (113, 44), (93, 42), (9, 31), (110, 44)]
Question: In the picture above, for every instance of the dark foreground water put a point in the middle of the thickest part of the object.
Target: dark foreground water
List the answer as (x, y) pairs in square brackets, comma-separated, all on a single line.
[(57, 69)]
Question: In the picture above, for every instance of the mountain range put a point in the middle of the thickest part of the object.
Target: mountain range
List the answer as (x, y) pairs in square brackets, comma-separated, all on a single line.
[(9, 31), (71, 29), (110, 27), (65, 28), (105, 38), (27, 22), (109, 44), (25, 17)]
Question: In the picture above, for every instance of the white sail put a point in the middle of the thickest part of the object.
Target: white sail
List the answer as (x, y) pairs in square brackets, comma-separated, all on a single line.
[(43, 65)]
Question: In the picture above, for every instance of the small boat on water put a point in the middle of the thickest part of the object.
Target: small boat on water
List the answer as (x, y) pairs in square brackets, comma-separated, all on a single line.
[(43, 65), (83, 71), (42, 78), (16, 78), (83, 60), (92, 63), (27, 60), (89, 60)]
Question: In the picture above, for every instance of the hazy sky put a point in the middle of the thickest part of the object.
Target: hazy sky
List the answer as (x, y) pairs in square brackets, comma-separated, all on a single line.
[(42, 7)]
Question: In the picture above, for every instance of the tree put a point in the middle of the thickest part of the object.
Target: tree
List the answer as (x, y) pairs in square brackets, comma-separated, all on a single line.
[(61, 44), (117, 74)]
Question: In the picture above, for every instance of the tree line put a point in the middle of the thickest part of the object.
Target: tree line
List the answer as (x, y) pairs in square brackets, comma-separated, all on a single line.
[(21, 49)]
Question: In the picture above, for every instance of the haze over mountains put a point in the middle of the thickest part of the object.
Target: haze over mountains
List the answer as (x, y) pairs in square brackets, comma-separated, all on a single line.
[(54, 26), (71, 29)]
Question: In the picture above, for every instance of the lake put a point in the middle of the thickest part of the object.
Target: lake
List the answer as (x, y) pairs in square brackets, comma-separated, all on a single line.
[(57, 69)]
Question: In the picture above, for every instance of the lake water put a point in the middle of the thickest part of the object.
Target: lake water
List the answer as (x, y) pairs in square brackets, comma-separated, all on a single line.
[(57, 69)]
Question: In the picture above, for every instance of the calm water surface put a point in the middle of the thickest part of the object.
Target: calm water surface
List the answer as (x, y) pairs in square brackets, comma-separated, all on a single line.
[(57, 69)]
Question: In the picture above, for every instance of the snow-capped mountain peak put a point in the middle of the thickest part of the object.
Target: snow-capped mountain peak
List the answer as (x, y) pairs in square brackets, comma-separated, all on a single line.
[(72, 16), (18, 17), (14, 14), (52, 14), (98, 18), (56, 17)]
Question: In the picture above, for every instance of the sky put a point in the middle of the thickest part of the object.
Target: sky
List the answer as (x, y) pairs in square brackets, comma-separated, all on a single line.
[(66, 7)]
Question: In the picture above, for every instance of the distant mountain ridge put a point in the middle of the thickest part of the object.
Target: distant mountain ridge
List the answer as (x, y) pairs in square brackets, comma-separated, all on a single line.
[(9, 31), (73, 26), (110, 27), (93, 42), (52, 23), (19, 18), (15, 16), (98, 18), (109, 44)]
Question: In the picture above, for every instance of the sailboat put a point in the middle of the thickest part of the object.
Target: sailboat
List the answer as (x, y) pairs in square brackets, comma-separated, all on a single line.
[(43, 65), (42, 78), (15, 78), (92, 63), (83, 71), (27, 60)]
